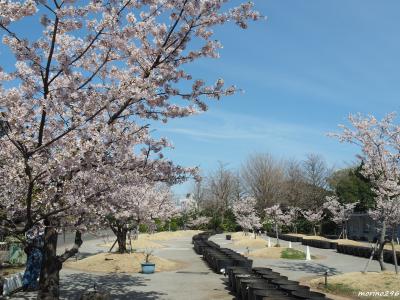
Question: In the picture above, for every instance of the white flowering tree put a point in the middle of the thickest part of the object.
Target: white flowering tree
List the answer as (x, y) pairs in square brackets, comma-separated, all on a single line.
[(379, 141), (293, 214), (246, 215), (340, 212), (188, 209), (314, 216), (199, 222), (136, 205), (79, 99), (278, 218)]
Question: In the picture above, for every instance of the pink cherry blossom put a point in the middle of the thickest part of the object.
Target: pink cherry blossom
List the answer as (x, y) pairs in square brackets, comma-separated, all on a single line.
[(379, 141), (245, 214), (314, 216), (341, 213), (82, 97)]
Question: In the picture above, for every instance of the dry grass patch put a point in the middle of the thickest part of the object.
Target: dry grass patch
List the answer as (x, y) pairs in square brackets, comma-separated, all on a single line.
[(314, 237), (251, 243), (240, 240), (146, 240), (349, 284), (273, 253), (6, 271), (389, 246), (240, 235), (356, 243), (349, 242), (136, 244), (280, 252), (297, 234), (121, 263), (168, 235)]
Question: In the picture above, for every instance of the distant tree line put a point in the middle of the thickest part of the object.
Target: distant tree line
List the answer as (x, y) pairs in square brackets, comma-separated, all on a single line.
[(304, 184)]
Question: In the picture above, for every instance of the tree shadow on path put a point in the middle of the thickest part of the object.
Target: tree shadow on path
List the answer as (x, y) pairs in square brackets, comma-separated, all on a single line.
[(306, 267), (119, 286)]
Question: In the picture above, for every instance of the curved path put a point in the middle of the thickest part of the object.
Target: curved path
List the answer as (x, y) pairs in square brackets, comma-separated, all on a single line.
[(195, 281), (333, 262)]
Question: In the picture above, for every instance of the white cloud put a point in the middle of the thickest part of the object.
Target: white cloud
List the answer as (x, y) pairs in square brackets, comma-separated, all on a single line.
[(224, 125)]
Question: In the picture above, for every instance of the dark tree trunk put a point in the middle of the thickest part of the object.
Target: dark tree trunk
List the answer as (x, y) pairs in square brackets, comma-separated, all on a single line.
[(121, 239), (121, 231), (396, 267), (382, 242), (2, 281), (49, 282), (277, 235)]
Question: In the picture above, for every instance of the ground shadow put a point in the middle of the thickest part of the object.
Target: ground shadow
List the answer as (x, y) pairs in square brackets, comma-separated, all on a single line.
[(120, 287), (310, 268), (227, 288)]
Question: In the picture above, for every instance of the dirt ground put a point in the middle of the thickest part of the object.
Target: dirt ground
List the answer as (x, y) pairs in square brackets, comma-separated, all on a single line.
[(242, 240), (121, 263), (273, 252), (350, 284), (141, 243), (168, 235), (340, 241), (368, 282), (11, 270), (149, 241)]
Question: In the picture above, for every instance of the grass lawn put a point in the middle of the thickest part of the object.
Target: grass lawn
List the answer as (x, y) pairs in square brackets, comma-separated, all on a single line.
[(290, 253)]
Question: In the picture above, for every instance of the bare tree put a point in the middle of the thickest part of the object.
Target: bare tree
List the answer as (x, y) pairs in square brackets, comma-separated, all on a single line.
[(264, 179), (222, 188), (295, 190), (316, 172), (199, 194), (238, 192)]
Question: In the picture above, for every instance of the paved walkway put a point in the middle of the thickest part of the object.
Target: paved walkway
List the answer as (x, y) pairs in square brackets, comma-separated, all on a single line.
[(333, 262), (195, 281)]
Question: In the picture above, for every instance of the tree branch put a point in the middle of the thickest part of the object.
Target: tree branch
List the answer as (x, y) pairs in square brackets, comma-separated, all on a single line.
[(74, 250)]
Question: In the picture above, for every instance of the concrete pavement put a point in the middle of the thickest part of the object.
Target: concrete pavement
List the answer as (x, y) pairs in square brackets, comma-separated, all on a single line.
[(331, 261), (195, 281)]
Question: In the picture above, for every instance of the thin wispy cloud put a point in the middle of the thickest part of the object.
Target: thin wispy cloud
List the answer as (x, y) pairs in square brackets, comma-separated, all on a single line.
[(232, 126)]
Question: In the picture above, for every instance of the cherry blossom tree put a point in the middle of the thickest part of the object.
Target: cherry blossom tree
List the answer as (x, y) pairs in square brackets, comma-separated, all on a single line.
[(314, 216), (136, 205), (278, 218), (246, 215), (199, 222), (188, 209), (380, 161), (340, 212), (80, 97), (388, 212), (293, 214)]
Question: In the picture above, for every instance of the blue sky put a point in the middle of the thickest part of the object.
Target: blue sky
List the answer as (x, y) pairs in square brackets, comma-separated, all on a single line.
[(302, 71)]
